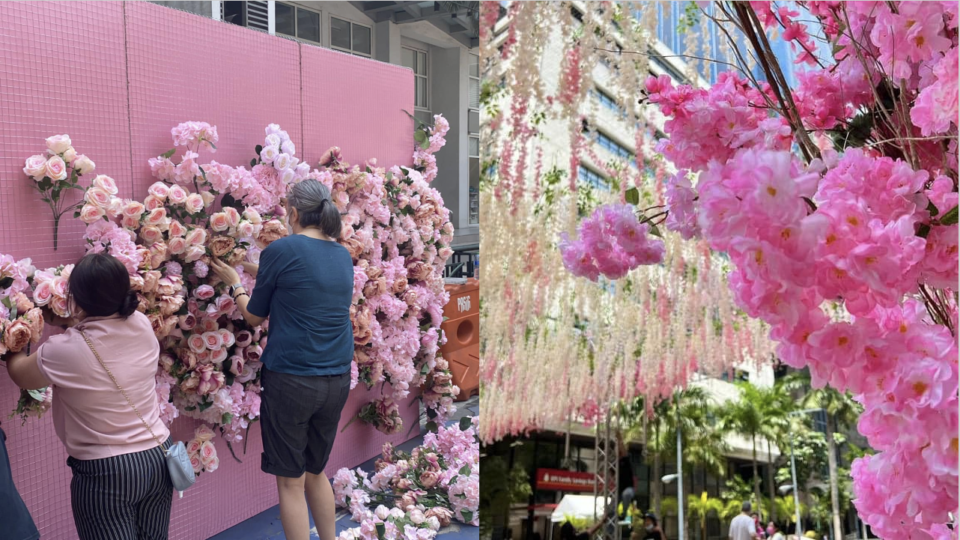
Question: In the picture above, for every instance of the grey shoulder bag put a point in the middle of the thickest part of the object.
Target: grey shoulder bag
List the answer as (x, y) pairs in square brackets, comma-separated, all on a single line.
[(178, 462)]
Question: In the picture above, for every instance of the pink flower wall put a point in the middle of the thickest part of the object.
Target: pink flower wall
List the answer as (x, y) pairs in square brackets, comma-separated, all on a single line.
[(116, 76)]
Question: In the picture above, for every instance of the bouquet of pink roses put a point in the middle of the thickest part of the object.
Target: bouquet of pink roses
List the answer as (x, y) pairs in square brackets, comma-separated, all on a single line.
[(202, 452), (57, 173), (383, 414)]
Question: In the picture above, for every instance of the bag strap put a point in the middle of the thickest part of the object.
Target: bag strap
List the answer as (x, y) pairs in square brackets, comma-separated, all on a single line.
[(114, 379)]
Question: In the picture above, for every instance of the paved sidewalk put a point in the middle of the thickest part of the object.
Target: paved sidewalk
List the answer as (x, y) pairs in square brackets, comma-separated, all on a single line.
[(266, 525)]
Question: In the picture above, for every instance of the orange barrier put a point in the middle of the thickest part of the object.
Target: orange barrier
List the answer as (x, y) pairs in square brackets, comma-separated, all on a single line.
[(462, 330)]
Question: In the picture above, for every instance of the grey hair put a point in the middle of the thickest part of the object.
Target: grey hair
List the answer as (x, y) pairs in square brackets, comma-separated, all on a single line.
[(316, 209)]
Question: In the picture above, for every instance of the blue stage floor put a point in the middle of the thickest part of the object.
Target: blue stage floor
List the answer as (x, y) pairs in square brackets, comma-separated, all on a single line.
[(266, 525)]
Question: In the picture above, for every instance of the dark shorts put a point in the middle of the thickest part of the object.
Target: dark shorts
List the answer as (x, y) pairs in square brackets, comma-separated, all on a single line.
[(299, 416)]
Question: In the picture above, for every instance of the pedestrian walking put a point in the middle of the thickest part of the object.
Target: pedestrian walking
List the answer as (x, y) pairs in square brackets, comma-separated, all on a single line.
[(743, 526)]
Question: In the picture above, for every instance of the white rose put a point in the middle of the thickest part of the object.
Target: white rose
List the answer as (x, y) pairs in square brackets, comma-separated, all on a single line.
[(433, 523), (272, 128), (84, 165), (288, 148), (282, 162), (269, 154), (288, 176), (69, 155), (59, 144), (272, 140)]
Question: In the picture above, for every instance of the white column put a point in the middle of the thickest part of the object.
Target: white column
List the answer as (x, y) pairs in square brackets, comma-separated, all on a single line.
[(272, 18), (216, 8)]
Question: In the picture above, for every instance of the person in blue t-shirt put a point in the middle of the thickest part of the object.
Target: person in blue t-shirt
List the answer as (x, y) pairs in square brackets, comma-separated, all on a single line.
[(305, 285)]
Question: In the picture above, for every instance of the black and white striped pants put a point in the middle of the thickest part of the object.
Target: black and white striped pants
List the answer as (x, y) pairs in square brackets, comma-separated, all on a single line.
[(125, 497)]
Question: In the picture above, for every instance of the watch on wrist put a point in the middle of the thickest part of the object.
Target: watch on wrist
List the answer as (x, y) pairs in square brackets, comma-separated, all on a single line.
[(233, 289)]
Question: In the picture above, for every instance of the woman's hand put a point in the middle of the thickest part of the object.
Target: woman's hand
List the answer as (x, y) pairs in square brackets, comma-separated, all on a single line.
[(250, 268), (225, 272), (53, 319)]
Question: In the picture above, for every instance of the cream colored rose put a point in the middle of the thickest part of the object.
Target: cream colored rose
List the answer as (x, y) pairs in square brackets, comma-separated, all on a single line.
[(56, 169), (84, 165), (58, 144), (35, 167)]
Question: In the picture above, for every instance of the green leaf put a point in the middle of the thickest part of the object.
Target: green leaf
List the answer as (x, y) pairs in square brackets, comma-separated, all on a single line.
[(950, 218), (465, 423), (465, 470), (655, 231), (633, 196), (923, 231), (227, 418), (425, 144), (420, 136), (253, 162), (467, 515), (381, 531), (432, 427), (37, 394), (932, 208), (169, 153), (204, 405), (212, 145), (259, 149)]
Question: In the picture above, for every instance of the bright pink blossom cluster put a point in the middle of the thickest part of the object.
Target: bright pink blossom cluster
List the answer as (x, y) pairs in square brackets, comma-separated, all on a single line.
[(612, 242), (438, 480), (872, 229)]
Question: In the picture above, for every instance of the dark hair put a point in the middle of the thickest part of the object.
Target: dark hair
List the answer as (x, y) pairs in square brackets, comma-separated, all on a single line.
[(652, 517), (100, 285), (745, 506), (567, 531), (312, 201)]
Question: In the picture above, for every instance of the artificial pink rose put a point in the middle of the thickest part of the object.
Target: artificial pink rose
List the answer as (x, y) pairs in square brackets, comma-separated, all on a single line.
[(151, 235), (353, 245), (219, 222), (177, 195), (207, 197), (177, 245), (225, 304), (97, 197), (204, 434), (115, 209), (243, 338), (203, 357), (60, 286), (58, 144), (170, 305), (212, 465), (233, 217), (196, 237), (193, 448), (169, 325), (133, 209), (236, 365), (246, 230), (197, 343), (70, 154), (252, 353), (159, 190), (190, 384), (17, 335), (444, 515), (150, 281), (129, 223), (84, 165), (156, 218), (156, 322), (193, 203), (196, 464), (152, 203), (60, 306), (429, 479), (399, 286), (212, 340), (204, 292), (272, 231), (227, 336), (166, 362), (209, 325), (207, 452), (236, 256), (36, 167), (218, 356), (158, 254), (175, 228), (55, 168), (194, 253), (90, 214), (169, 285), (221, 245), (419, 271), (252, 216), (105, 183), (188, 322)]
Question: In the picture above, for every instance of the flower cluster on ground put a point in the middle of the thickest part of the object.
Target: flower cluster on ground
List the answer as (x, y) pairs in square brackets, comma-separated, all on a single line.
[(867, 223), (395, 226), (414, 495)]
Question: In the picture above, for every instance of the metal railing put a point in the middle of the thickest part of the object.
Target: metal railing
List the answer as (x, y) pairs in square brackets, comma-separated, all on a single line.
[(464, 263)]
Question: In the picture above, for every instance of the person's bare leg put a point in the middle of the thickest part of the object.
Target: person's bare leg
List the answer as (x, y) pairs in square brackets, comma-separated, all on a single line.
[(293, 508), (322, 505)]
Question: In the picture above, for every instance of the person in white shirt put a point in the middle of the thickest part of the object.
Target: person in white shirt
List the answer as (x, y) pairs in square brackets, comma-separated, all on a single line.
[(742, 527)]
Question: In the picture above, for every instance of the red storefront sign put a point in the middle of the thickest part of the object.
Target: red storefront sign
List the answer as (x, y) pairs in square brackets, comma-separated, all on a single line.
[(558, 480)]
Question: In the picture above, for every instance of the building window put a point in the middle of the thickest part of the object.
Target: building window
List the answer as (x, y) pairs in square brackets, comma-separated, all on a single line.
[(417, 61), (612, 146), (350, 37), (607, 101), (297, 22), (249, 14), (591, 177), (473, 129)]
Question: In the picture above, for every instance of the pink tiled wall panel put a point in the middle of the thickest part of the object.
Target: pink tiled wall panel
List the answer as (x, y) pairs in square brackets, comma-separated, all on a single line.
[(116, 77), (354, 112)]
